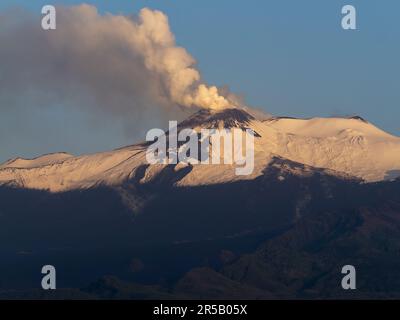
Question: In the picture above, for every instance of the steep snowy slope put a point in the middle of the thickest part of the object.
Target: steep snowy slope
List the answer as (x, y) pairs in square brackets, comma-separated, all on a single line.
[(351, 146)]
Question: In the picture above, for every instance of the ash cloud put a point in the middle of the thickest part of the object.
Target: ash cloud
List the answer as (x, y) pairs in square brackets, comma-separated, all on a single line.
[(122, 65)]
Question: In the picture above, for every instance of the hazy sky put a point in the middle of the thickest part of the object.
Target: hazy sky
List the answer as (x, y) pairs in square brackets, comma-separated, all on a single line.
[(289, 58)]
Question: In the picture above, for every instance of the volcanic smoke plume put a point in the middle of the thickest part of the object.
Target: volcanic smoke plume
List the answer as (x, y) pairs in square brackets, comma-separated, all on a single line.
[(123, 65)]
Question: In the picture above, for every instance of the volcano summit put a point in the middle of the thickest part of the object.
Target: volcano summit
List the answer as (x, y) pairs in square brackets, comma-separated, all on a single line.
[(350, 146)]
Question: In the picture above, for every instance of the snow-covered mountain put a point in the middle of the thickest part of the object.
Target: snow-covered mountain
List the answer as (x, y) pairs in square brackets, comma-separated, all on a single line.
[(350, 146)]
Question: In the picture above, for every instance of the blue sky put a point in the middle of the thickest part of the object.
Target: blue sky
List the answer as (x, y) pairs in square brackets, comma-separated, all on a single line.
[(287, 57)]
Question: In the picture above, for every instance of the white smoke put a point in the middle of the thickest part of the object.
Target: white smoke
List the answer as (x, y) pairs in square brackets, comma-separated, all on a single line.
[(151, 36), (118, 63)]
